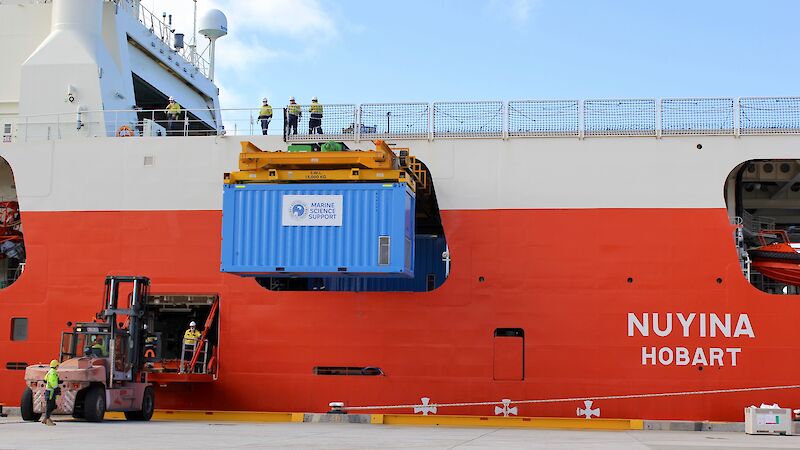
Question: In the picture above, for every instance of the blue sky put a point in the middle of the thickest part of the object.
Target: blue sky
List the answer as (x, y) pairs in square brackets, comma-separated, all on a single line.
[(353, 51)]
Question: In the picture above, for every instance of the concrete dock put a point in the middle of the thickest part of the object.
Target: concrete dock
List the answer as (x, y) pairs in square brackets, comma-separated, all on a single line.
[(197, 435)]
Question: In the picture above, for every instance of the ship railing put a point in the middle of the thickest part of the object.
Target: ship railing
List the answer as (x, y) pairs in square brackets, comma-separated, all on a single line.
[(579, 119), (164, 32), (756, 224)]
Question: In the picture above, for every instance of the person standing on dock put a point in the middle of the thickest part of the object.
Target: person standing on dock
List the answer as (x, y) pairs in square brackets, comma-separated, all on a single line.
[(315, 121), (265, 116), (293, 113), (173, 115), (51, 392)]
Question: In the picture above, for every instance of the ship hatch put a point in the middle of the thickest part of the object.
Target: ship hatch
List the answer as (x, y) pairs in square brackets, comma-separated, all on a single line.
[(167, 356), (763, 202)]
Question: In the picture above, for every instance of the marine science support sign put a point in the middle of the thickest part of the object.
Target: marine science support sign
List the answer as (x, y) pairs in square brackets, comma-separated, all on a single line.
[(311, 211)]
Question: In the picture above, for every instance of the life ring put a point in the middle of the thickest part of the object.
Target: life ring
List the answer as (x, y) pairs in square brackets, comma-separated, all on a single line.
[(149, 353), (125, 131)]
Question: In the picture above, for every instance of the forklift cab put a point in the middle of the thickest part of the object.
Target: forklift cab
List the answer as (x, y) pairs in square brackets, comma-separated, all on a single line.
[(85, 339), (120, 343), (94, 340)]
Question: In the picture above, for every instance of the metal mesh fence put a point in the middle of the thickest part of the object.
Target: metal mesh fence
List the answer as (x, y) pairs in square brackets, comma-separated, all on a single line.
[(697, 116), (394, 120), (776, 115), (245, 121), (543, 118), (336, 122), (468, 119), (619, 117), (669, 117)]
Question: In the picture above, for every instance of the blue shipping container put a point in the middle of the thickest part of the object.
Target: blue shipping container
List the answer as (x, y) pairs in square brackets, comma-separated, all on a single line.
[(318, 229), (430, 271)]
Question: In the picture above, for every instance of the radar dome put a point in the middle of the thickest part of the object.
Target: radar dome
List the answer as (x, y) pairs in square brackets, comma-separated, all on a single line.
[(213, 24)]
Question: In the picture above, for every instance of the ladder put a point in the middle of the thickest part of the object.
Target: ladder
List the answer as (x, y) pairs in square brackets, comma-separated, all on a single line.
[(199, 348)]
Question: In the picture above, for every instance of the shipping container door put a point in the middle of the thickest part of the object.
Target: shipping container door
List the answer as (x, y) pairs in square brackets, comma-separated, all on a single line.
[(509, 354)]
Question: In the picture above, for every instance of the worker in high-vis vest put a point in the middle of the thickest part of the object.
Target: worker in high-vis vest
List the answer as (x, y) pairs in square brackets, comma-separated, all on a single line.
[(265, 115), (191, 339), (99, 347), (293, 113), (173, 115), (51, 392), (315, 121)]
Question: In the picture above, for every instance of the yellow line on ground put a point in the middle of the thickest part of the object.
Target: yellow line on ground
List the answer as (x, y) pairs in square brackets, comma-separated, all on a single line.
[(228, 416), (404, 419), (510, 422)]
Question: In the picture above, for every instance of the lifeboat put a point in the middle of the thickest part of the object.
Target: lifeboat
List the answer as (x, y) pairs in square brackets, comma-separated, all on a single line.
[(778, 260)]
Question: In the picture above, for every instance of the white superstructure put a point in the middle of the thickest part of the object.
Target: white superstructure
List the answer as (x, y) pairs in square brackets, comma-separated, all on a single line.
[(68, 63)]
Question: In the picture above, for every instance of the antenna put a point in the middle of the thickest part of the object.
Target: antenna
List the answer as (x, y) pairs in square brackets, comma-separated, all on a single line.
[(213, 25), (193, 46)]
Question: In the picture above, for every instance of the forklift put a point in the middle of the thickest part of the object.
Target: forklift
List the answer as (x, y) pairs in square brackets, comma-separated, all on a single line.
[(101, 362)]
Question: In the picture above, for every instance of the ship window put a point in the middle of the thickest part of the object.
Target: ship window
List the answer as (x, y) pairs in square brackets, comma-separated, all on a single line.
[(6, 128), (16, 365), (19, 329), (348, 371)]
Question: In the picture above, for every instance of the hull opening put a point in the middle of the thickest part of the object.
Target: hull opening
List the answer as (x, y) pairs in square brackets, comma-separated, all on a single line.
[(763, 201), (12, 243), (166, 349)]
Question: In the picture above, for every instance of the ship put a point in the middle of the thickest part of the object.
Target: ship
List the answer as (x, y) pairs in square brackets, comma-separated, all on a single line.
[(574, 258)]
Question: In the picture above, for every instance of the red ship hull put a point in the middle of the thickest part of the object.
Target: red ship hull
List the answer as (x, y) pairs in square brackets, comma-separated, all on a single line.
[(572, 297)]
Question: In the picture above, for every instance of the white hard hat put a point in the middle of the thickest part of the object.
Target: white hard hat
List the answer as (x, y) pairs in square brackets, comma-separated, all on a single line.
[(264, 99), (171, 99), (291, 99), (313, 99), (192, 324)]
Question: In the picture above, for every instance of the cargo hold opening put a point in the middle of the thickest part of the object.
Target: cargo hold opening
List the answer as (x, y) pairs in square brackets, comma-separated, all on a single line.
[(13, 257), (167, 319), (763, 202), (431, 257)]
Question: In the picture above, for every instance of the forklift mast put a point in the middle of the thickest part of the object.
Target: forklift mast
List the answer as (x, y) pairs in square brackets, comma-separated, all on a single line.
[(135, 327)]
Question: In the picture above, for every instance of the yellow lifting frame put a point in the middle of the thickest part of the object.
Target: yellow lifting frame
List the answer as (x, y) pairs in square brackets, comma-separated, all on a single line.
[(311, 175), (379, 165), (253, 158)]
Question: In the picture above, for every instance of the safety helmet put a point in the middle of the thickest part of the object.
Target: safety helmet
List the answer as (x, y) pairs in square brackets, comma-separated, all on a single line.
[(291, 99), (54, 364), (313, 99), (192, 324), (264, 100), (171, 99)]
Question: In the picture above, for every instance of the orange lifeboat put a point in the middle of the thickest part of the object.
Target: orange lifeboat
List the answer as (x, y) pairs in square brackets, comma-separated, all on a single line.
[(778, 260)]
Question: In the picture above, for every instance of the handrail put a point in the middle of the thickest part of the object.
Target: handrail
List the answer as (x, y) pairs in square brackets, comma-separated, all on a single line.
[(165, 33), (657, 118)]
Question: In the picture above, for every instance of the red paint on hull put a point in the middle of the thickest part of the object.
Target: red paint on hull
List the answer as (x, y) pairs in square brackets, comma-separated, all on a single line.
[(561, 275)]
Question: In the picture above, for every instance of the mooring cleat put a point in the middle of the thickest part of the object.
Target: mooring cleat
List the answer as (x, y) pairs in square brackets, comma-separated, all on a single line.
[(337, 408)]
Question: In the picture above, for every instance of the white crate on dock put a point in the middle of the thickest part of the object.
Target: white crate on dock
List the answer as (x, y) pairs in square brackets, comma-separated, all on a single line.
[(768, 421)]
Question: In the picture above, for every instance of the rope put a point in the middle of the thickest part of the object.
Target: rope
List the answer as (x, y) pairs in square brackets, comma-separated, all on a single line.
[(577, 399)]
